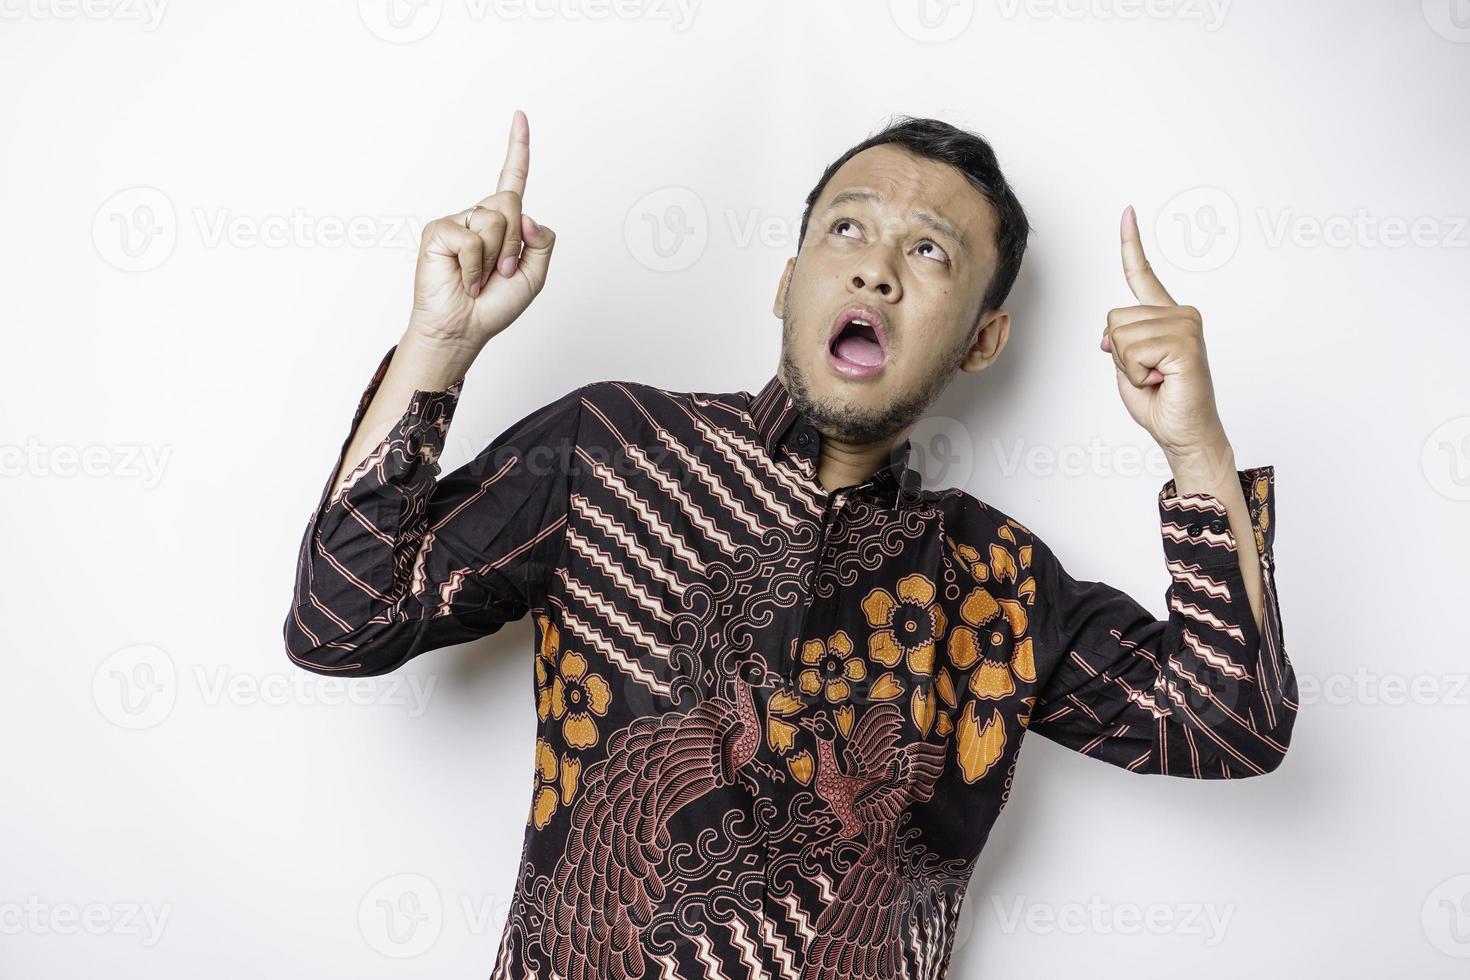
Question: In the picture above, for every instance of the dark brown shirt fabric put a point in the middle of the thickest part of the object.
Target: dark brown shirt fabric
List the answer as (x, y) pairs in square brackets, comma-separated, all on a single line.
[(776, 723)]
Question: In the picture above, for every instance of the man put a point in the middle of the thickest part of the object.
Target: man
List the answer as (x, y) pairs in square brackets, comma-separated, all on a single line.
[(780, 687)]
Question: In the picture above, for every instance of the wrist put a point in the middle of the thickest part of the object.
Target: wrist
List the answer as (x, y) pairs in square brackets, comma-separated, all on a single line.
[(432, 364), (1203, 467)]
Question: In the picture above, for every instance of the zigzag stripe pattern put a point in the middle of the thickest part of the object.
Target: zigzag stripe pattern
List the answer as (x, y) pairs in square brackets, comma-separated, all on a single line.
[(615, 656), (1206, 617), (1213, 657), (781, 954), (637, 551), (633, 588), (776, 721), (697, 518), (1190, 576)]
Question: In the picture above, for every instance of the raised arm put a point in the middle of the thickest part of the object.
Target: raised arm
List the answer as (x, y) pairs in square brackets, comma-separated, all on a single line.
[(1163, 375), (1204, 692), (394, 562), (1209, 691), (471, 282)]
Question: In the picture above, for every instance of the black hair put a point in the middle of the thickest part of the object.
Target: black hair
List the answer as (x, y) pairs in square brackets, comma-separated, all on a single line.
[(972, 156)]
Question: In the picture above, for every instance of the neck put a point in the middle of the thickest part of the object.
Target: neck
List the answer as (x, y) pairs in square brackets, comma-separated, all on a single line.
[(840, 463), (844, 464)]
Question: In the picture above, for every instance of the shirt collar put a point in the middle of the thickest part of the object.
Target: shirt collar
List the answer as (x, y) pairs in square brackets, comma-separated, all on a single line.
[(774, 413)]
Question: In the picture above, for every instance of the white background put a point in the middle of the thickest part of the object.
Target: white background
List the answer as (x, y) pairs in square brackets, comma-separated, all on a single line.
[(186, 339)]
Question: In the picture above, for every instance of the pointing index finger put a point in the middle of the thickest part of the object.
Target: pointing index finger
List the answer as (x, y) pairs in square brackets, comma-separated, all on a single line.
[(517, 156), (1140, 275)]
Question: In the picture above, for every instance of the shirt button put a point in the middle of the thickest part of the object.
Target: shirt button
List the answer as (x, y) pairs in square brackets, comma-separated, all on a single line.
[(802, 439)]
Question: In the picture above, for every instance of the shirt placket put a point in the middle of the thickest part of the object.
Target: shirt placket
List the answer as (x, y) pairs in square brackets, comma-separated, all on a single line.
[(820, 557)]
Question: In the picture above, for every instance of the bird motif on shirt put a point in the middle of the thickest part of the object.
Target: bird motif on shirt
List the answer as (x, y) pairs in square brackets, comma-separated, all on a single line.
[(858, 932), (606, 888)]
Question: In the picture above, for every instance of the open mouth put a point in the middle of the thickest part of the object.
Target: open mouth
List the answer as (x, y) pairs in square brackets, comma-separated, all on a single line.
[(858, 343)]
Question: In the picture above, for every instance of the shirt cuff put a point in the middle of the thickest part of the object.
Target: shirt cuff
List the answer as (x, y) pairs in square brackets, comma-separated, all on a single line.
[(408, 454), (1196, 526)]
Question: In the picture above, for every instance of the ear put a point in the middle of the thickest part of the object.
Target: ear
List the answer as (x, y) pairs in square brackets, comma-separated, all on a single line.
[(995, 328), (780, 303)]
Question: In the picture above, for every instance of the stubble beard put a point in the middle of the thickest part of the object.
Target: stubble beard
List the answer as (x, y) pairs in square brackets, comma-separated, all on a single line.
[(864, 426)]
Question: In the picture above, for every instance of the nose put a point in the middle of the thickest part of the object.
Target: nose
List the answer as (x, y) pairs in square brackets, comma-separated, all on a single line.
[(876, 275), (874, 280)]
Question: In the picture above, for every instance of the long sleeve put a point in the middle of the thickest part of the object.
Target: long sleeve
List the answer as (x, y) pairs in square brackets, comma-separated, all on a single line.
[(397, 563), (1203, 693)]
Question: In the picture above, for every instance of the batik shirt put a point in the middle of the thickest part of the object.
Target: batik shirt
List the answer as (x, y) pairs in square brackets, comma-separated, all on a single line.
[(775, 723)]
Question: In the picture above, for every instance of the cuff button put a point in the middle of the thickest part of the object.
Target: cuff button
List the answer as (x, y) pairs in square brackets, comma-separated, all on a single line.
[(1194, 529), (1218, 526)]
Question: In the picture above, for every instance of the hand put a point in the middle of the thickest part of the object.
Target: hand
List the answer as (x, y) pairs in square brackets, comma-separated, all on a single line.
[(1158, 350), (471, 283)]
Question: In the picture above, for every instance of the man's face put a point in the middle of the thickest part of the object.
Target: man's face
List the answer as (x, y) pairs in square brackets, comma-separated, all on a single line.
[(907, 245)]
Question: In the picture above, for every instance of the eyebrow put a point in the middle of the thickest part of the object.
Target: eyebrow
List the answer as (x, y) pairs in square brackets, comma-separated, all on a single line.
[(862, 195)]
